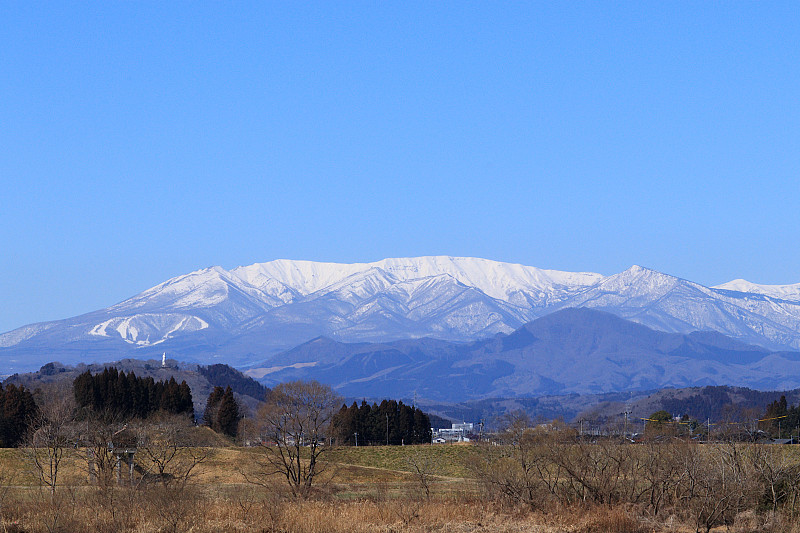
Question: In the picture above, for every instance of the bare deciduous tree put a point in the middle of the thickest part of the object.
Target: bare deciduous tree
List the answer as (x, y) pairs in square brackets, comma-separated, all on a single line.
[(776, 470), (423, 466), (524, 470), (166, 447), (294, 423), (102, 441), (50, 435)]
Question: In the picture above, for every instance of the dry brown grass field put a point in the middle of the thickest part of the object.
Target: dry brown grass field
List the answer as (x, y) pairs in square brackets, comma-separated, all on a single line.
[(362, 489)]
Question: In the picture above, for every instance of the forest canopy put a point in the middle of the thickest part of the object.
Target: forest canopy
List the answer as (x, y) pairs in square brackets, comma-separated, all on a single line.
[(113, 394)]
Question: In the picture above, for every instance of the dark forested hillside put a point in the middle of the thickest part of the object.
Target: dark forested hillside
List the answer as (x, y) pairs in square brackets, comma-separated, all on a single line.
[(719, 403), (220, 375), (249, 392)]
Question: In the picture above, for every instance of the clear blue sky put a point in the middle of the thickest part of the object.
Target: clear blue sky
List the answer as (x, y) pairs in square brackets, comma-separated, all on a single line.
[(140, 141)]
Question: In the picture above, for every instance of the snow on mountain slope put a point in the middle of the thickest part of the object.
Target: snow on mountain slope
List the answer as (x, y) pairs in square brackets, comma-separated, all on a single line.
[(265, 307), (436, 305), (357, 287), (780, 292), (497, 280), (411, 297), (676, 305), (15, 336), (148, 329), (302, 277), (374, 305), (503, 281), (199, 289)]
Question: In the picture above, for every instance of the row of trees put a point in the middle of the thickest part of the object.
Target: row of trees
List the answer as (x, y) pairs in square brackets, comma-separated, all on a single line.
[(293, 423), (161, 451), (709, 485), (117, 395), (391, 423)]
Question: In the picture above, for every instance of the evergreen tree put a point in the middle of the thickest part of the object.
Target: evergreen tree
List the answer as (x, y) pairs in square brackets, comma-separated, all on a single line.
[(185, 403), (17, 408), (405, 424), (422, 428), (228, 414), (83, 389), (342, 424), (212, 407)]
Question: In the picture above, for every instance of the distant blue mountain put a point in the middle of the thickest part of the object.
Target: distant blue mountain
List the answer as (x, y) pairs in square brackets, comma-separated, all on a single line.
[(574, 350)]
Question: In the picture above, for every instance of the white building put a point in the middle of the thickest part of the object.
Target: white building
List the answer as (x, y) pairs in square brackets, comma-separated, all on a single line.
[(457, 433)]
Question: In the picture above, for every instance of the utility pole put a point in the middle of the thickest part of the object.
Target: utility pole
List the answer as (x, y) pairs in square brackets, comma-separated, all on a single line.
[(356, 434), (627, 412), (387, 429)]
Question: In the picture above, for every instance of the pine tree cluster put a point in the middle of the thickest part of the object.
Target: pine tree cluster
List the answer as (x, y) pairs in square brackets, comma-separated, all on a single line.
[(781, 420), (112, 394), (391, 422), (222, 411), (17, 408)]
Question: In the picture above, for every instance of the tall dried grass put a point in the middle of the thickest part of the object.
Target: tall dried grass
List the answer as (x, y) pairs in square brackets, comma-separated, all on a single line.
[(364, 498)]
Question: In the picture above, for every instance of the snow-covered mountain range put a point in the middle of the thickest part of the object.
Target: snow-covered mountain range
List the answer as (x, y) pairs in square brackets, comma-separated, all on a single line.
[(246, 314)]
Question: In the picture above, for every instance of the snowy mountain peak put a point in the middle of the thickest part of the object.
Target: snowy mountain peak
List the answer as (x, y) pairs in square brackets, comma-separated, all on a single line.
[(638, 270), (781, 292), (204, 287), (496, 279), (639, 279)]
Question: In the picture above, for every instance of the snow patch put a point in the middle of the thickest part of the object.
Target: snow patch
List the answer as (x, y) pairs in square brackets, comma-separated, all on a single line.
[(258, 373), (148, 329)]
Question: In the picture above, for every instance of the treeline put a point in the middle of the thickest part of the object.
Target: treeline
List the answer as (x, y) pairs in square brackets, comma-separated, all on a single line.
[(17, 408), (113, 394), (391, 422)]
